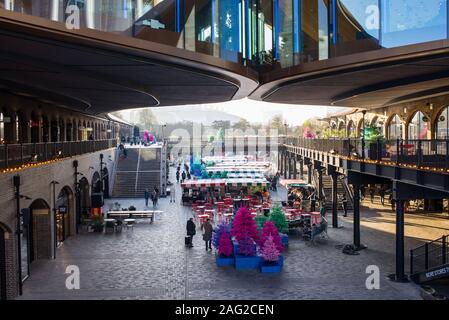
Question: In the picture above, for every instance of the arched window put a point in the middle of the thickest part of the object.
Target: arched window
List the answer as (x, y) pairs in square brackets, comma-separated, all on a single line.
[(418, 127), (442, 125), (395, 128), (352, 130)]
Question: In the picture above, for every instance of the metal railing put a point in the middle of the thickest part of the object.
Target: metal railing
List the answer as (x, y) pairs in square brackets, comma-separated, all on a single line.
[(16, 155), (432, 153), (429, 255)]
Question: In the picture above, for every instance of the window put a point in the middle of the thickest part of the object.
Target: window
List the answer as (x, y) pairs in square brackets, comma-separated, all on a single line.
[(442, 124), (418, 127), (395, 128)]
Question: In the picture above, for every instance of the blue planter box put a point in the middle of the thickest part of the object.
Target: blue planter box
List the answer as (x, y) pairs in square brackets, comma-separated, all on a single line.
[(284, 240), (270, 267), (225, 261), (245, 262), (236, 247)]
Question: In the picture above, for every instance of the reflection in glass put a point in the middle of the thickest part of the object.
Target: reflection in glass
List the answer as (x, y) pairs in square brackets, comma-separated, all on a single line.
[(395, 128), (358, 25), (442, 129), (418, 127), (412, 21)]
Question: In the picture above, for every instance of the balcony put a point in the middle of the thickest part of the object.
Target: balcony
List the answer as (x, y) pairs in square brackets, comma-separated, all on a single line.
[(19, 156)]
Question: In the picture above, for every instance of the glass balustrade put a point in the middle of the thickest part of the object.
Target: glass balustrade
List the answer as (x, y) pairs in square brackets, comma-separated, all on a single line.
[(264, 34)]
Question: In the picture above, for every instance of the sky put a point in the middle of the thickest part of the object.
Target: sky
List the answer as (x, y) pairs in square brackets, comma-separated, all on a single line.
[(253, 111)]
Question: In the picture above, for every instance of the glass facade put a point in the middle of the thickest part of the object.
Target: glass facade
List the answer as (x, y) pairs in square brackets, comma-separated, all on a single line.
[(278, 33)]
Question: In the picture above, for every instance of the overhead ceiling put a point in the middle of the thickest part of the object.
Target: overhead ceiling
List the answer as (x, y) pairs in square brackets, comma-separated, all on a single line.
[(108, 72), (368, 80)]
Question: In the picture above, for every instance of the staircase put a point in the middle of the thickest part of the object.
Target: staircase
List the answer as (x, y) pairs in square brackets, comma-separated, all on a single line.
[(140, 170), (342, 188), (430, 261)]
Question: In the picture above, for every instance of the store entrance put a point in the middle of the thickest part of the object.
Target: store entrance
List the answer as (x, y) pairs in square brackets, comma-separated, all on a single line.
[(63, 215)]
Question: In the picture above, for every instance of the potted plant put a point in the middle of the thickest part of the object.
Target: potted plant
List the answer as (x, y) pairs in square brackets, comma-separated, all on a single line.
[(97, 224), (270, 257), (225, 257), (243, 226), (281, 223), (245, 234), (269, 230)]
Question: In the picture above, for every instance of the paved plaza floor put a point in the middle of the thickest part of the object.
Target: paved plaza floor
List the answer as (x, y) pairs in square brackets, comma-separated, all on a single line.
[(151, 262)]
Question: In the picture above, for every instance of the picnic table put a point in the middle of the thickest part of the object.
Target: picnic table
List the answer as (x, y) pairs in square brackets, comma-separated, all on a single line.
[(132, 214)]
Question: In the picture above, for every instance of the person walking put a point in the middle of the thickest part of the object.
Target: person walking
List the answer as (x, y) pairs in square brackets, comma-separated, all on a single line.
[(382, 196), (313, 201), (154, 198), (207, 235), (183, 176), (172, 194), (177, 176), (372, 191), (191, 231), (344, 202), (362, 192), (146, 195)]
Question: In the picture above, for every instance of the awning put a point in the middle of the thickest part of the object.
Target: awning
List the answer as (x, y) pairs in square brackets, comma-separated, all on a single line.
[(245, 175), (295, 183), (203, 183), (246, 182), (236, 170)]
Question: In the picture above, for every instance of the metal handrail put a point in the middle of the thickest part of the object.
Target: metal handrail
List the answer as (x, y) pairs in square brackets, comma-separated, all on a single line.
[(17, 155)]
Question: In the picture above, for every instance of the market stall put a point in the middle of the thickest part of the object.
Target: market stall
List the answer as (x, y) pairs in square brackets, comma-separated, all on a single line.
[(193, 190)]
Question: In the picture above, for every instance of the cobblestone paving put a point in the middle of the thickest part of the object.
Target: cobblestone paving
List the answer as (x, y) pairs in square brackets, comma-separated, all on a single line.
[(151, 262)]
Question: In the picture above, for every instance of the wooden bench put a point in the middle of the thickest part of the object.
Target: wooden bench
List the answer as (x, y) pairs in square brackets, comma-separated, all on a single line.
[(132, 214)]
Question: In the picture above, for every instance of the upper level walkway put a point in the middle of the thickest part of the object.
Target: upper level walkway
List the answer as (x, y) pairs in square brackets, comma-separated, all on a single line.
[(417, 162), (107, 56), (21, 156)]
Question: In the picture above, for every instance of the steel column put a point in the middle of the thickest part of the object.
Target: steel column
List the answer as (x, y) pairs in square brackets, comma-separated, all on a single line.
[(334, 200), (356, 222), (400, 274)]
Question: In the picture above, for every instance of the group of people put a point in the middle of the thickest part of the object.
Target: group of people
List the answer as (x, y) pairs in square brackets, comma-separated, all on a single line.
[(154, 195), (207, 229), (274, 180), (183, 176)]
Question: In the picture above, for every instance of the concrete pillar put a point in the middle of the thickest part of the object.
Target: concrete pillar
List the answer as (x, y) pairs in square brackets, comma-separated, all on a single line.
[(334, 177), (320, 183), (309, 173), (285, 165), (301, 168), (290, 166), (295, 176)]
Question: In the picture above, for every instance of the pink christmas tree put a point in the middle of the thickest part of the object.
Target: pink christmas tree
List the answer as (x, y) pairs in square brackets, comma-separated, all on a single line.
[(225, 245), (269, 251), (270, 230), (244, 225)]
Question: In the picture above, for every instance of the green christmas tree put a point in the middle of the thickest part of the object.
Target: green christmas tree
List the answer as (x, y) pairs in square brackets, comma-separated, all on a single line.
[(277, 216), (260, 220)]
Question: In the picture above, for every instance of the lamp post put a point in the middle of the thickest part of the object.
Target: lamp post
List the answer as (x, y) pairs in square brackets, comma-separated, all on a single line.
[(101, 173), (16, 181)]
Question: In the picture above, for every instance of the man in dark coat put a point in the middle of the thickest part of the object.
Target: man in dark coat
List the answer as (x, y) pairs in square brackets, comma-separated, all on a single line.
[(207, 235), (191, 230)]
